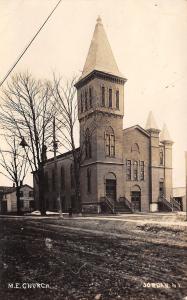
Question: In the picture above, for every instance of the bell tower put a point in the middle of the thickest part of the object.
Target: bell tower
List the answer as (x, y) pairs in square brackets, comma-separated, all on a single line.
[(100, 95)]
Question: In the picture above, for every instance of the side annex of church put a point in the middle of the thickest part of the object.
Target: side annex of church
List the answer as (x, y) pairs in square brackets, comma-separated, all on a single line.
[(123, 169)]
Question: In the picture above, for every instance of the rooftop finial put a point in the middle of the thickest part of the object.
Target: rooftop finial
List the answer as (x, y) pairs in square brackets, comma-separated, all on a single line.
[(99, 21)]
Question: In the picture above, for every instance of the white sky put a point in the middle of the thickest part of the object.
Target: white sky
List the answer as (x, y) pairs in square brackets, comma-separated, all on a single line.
[(148, 39)]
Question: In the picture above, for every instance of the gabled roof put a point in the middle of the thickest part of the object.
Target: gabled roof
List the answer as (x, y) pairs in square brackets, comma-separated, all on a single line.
[(151, 123), (4, 188), (100, 56), (138, 127), (13, 189)]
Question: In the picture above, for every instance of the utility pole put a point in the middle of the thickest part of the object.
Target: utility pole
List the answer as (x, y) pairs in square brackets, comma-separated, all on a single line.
[(57, 192)]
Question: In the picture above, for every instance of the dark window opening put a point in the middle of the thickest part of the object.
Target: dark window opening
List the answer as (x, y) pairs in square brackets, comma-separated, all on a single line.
[(72, 176), (110, 98), (86, 101), (62, 178), (117, 99), (82, 108), (90, 96), (88, 144), (53, 180), (103, 96), (161, 157), (88, 180), (31, 194)]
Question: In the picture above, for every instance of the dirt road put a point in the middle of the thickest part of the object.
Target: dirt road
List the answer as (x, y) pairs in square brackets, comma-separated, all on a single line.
[(39, 260)]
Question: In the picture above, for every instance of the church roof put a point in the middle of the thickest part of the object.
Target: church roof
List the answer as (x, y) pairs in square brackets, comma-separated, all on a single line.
[(138, 127), (164, 135), (151, 123), (100, 56)]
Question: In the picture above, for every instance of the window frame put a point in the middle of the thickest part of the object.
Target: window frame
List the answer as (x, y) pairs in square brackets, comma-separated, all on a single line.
[(128, 170), (103, 96), (89, 181), (110, 98), (142, 170), (135, 170), (117, 99), (110, 146)]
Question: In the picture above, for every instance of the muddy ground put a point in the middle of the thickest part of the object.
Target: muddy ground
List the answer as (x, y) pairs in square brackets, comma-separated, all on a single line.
[(145, 262)]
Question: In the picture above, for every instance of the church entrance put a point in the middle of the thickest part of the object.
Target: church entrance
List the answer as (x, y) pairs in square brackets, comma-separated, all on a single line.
[(111, 189), (136, 198), (111, 186)]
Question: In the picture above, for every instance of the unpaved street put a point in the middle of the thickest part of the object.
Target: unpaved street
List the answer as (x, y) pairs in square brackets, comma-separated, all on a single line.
[(84, 265)]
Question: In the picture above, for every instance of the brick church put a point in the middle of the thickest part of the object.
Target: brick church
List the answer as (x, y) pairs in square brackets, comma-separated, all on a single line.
[(124, 169)]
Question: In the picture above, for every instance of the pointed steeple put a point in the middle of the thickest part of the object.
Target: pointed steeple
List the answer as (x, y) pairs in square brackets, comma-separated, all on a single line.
[(165, 136), (100, 56), (151, 123)]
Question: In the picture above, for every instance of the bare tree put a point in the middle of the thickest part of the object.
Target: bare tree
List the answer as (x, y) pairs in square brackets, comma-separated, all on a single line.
[(14, 162), (67, 117), (27, 111)]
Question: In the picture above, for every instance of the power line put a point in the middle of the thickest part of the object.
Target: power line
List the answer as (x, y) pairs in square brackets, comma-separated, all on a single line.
[(21, 55)]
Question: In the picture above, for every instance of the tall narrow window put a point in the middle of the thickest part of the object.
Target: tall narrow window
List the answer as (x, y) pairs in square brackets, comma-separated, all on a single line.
[(128, 169), (110, 98), (82, 108), (86, 101), (72, 176), (161, 156), (46, 182), (88, 180), (110, 142), (88, 144), (62, 179), (103, 96), (90, 96), (112, 145), (53, 180), (117, 99), (135, 170), (141, 170)]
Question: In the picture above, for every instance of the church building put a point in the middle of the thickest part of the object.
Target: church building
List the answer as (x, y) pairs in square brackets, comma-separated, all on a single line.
[(124, 170)]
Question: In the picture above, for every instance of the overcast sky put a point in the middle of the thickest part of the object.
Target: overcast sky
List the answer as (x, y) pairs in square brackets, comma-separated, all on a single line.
[(148, 39)]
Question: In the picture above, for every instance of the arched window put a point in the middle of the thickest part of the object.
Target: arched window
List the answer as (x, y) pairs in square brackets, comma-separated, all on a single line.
[(82, 107), (90, 96), (46, 182), (53, 180), (72, 176), (117, 99), (135, 170), (135, 148), (88, 180), (161, 156), (88, 144), (103, 96), (110, 142), (62, 178), (110, 98)]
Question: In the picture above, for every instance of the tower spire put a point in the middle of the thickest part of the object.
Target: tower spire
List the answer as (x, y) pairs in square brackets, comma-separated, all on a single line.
[(100, 56), (165, 136), (151, 123)]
